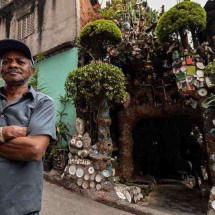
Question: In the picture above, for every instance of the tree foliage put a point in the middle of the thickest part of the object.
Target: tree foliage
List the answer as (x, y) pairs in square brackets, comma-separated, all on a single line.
[(97, 36), (183, 17), (94, 81)]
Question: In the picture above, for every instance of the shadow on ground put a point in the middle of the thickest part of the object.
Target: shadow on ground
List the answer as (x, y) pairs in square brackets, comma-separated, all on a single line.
[(178, 199)]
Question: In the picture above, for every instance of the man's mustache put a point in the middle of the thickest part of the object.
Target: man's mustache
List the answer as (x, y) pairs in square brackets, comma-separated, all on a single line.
[(8, 71)]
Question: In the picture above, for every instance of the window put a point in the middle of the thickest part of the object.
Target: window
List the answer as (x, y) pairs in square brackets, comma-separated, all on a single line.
[(4, 2), (26, 25)]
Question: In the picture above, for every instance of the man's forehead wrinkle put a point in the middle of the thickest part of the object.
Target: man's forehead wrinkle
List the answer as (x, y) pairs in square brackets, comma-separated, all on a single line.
[(13, 52), (16, 57)]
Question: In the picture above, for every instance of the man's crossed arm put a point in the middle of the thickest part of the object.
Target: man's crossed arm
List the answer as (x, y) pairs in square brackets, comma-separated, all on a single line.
[(19, 146)]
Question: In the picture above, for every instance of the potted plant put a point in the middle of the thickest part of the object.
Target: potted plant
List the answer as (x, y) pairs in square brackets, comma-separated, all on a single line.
[(48, 158), (60, 150)]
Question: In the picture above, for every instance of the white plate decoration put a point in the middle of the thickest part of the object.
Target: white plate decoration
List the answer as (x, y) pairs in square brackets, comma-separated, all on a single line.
[(213, 157), (106, 173), (213, 190), (200, 73), (79, 172), (213, 204), (200, 65), (79, 144), (91, 170), (189, 78), (72, 170), (202, 92)]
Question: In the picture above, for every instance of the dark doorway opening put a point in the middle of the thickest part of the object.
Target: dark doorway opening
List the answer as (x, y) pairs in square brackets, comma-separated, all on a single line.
[(160, 146)]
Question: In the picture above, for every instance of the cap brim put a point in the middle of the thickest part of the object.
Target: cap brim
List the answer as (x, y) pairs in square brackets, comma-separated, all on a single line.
[(10, 44)]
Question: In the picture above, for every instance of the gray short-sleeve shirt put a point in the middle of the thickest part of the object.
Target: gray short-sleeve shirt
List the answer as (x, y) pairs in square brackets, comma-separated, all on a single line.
[(21, 181)]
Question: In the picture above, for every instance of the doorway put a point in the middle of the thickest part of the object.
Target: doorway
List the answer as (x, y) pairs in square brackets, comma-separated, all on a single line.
[(160, 146)]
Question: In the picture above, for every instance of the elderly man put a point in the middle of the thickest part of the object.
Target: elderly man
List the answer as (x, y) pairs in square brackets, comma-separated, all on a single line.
[(27, 124)]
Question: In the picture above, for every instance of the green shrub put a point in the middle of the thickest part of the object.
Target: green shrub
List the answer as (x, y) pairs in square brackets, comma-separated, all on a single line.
[(92, 82), (185, 16), (97, 36), (210, 68)]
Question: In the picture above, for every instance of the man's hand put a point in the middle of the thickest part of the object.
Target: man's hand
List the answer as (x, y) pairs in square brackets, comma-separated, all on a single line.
[(29, 148), (13, 131)]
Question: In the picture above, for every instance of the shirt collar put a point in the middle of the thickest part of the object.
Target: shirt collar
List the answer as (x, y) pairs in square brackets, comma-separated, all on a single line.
[(31, 91)]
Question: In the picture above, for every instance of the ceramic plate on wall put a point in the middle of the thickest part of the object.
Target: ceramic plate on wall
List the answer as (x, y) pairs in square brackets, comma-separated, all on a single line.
[(120, 195), (189, 78), (91, 170), (201, 79), (213, 190), (79, 144), (79, 172), (72, 141), (98, 178), (213, 204), (202, 92), (200, 73), (106, 173), (213, 157), (183, 69), (72, 170), (200, 65)]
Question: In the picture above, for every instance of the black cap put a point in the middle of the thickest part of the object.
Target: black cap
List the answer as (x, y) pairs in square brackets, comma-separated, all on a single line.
[(10, 44)]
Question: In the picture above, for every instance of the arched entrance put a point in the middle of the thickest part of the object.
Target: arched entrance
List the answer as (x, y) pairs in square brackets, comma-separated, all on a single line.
[(130, 117), (161, 146)]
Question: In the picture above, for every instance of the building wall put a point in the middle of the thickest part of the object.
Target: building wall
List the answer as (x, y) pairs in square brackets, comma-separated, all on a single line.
[(86, 9), (55, 22), (54, 71)]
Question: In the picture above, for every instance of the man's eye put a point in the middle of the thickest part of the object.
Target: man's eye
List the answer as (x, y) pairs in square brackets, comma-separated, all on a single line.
[(21, 62), (5, 62)]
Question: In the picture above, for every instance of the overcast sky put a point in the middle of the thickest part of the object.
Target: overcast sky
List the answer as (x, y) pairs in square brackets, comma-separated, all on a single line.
[(156, 4)]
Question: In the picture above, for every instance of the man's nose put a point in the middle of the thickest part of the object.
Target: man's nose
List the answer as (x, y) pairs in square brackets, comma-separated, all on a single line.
[(13, 64)]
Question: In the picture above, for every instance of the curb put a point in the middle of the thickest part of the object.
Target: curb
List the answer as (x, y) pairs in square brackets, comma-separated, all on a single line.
[(100, 196)]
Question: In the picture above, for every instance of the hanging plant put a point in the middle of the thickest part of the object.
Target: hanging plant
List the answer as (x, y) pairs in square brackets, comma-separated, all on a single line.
[(99, 35), (96, 81)]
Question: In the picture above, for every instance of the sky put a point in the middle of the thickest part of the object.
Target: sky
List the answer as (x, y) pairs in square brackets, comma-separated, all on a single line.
[(156, 4)]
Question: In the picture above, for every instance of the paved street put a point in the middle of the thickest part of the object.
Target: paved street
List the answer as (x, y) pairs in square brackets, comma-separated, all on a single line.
[(58, 201)]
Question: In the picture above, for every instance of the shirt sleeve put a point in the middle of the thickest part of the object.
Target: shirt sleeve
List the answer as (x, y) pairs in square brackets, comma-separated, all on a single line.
[(42, 121)]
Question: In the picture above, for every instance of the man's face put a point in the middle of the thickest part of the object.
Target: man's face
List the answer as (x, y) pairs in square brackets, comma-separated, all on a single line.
[(16, 68)]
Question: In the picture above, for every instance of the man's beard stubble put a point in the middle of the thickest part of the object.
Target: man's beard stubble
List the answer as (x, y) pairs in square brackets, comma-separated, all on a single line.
[(14, 82)]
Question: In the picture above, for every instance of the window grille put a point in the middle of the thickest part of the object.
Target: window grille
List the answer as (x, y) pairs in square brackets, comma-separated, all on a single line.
[(26, 26)]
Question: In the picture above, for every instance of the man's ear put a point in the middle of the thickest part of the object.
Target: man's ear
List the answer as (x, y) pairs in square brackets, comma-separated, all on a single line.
[(32, 71)]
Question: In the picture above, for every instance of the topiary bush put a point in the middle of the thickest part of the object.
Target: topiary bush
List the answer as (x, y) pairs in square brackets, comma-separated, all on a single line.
[(183, 17), (98, 35), (96, 81)]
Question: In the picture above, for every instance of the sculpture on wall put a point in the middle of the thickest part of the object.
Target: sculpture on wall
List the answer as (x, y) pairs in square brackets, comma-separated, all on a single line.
[(80, 126)]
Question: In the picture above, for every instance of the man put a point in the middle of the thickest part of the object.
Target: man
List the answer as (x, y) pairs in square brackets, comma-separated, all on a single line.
[(27, 125)]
